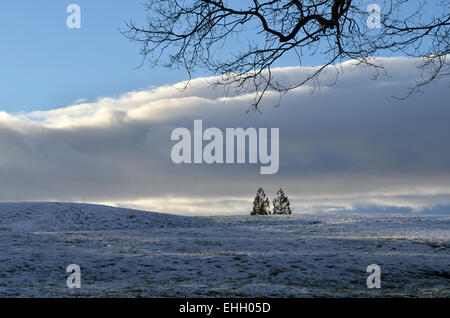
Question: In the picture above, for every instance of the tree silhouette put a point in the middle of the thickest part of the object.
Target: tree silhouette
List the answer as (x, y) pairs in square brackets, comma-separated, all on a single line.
[(189, 34), (281, 204), (261, 204)]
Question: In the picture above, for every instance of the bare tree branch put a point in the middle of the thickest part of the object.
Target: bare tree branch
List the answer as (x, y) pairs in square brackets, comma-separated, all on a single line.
[(199, 33)]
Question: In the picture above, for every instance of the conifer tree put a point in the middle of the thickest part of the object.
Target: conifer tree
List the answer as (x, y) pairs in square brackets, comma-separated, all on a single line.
[(281, 204), (261, 204)]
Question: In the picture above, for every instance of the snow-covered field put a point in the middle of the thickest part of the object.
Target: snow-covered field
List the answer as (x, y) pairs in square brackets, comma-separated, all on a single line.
[(127, 253)]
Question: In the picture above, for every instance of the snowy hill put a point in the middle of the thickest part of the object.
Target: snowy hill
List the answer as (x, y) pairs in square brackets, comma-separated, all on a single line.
[(128, 253), (46, 217)]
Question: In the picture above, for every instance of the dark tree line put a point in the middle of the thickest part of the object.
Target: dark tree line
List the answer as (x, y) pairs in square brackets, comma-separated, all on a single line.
[(261, 204), (188, 34)]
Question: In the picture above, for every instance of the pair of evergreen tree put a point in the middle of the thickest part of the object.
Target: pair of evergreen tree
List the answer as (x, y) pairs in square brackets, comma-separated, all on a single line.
[(261, 204)]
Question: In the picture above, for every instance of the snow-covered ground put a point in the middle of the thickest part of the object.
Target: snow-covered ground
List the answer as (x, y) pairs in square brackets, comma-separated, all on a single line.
[(127, 253)]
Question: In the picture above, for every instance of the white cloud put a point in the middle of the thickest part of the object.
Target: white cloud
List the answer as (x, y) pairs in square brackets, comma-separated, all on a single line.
[(345, 145)]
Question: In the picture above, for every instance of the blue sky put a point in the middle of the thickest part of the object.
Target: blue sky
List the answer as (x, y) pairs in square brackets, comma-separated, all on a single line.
[(45, 65)]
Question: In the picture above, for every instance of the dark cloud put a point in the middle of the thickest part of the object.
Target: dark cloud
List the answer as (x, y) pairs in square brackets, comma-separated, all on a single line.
[(345, 144)]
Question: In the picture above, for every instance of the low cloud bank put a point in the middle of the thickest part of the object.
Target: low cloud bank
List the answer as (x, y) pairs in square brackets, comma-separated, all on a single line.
[(344, 146)]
